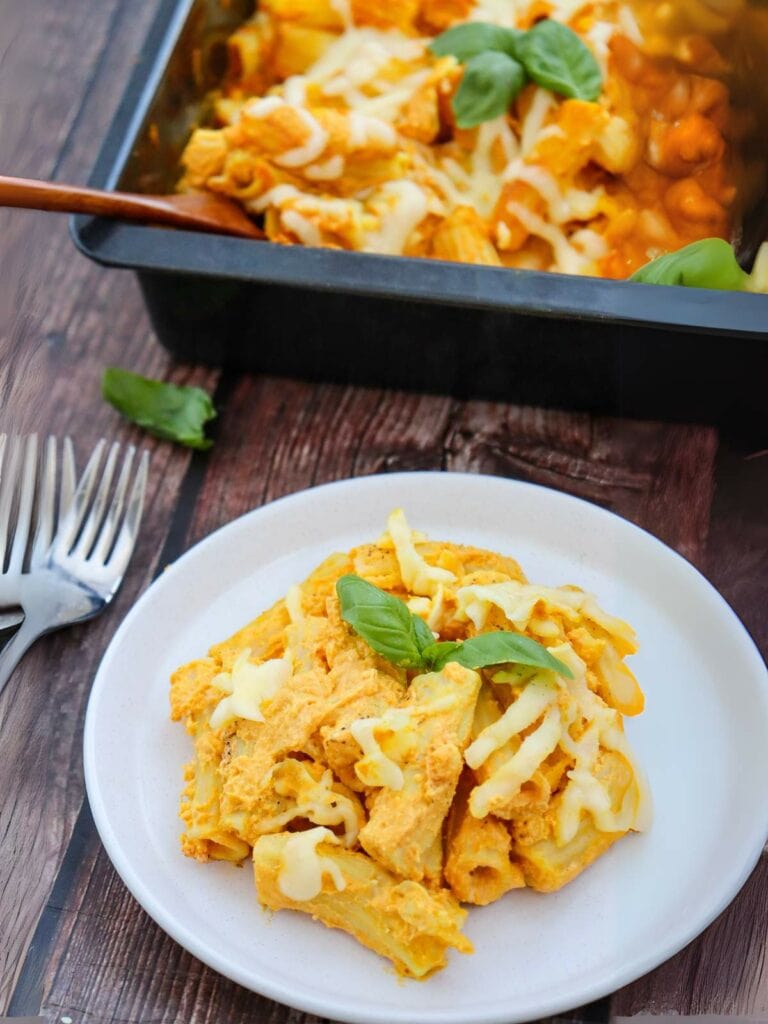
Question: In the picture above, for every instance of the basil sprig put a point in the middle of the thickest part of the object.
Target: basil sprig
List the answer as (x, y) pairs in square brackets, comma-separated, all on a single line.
[(173, 412), (393, 631), (498, 648), (499, 61), (708, 263), (490, 82)]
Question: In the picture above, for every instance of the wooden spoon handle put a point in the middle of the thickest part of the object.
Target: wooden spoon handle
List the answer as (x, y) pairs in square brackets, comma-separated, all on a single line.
[(44, 195)]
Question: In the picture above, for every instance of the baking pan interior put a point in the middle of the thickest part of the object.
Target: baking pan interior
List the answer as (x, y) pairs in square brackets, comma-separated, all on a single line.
[(198, 62)]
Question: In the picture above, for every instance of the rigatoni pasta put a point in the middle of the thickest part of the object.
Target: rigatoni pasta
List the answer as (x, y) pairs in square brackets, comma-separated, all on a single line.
[(413, 727)]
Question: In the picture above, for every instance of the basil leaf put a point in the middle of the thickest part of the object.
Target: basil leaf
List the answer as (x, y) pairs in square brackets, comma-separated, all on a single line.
[(501, 647), (170, 411), (514, 674), (393, 631), (708, 263), (383, 621), (556, 58), (473, 37), (437, 655), (424, 635), (491, 81)]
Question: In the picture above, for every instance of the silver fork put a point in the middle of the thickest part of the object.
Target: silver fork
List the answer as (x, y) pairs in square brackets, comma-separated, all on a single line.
[(23, 492), (78, 574)]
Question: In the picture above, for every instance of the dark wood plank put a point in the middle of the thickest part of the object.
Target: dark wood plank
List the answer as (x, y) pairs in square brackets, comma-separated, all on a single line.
[(292, 435), (725, 971), (61, 321)]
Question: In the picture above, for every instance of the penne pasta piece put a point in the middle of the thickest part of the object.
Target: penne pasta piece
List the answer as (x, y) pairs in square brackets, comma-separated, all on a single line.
[(463, 238), (548, 864), (401, 920), (426, 749), (478, 867)]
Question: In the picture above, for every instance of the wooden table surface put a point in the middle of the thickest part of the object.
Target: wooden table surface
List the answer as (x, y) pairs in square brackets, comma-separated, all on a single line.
[(73, 943)]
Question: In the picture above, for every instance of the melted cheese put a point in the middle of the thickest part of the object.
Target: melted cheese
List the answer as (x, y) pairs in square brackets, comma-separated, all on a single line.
[(329, 170), (543, 102), (302, 868), (400, 206), (317, 139), (293, 604), (563, 703), (375, 768), (418, 576), (566, 259), (518, 601), (506, 782), (310, 798), (353, 61), (537, 696), (307, 232), (248, 686), (344, 10), (584, 792)]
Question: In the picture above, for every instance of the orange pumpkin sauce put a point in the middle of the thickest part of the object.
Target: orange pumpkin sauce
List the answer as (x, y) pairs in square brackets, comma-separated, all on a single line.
[(682, 186)]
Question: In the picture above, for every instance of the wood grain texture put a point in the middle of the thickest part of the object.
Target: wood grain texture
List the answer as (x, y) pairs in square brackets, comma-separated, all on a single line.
[(61, 321)]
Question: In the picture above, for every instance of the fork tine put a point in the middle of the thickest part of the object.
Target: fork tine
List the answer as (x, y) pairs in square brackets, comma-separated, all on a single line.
[(93, 521), (126, 538), (8, 487), (45, 502), (67, 488), (108, 530), (69, 527), (25, 506)]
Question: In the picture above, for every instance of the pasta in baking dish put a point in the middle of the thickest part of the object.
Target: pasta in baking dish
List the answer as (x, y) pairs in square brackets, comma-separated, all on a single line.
[(415, 726), (337, 126)]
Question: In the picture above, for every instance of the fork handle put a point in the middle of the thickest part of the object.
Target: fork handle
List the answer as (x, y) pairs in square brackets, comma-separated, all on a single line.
[(17, 647)]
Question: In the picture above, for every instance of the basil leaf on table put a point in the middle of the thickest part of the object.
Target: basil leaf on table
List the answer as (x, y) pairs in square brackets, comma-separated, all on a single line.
[(708, 263), (170, 411), (383, 621), (490, 83), (473, 37), (393, 631), (498, 648), (555, 58)]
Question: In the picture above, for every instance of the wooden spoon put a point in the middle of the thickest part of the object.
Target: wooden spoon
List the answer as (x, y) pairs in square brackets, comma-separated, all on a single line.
[(199, 210)]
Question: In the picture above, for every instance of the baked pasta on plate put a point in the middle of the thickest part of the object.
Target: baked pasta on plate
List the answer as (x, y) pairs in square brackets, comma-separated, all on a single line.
[(427, 793), (413, 727)]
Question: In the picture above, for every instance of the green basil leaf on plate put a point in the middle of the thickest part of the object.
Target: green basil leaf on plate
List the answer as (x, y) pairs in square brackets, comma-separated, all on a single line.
[(170, 411), (393, 631), (437, 655), (490, 83), (557, 59), (708, 263), (383, 621), (472, 37), (502, 647)]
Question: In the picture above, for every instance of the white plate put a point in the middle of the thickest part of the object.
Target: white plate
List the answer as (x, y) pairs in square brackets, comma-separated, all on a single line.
[(702, 741)]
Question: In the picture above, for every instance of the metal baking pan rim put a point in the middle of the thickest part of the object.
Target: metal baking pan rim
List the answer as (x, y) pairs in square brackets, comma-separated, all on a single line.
[(397, 278)]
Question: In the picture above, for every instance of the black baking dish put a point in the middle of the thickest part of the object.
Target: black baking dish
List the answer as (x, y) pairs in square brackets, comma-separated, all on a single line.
[(551, 339)]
